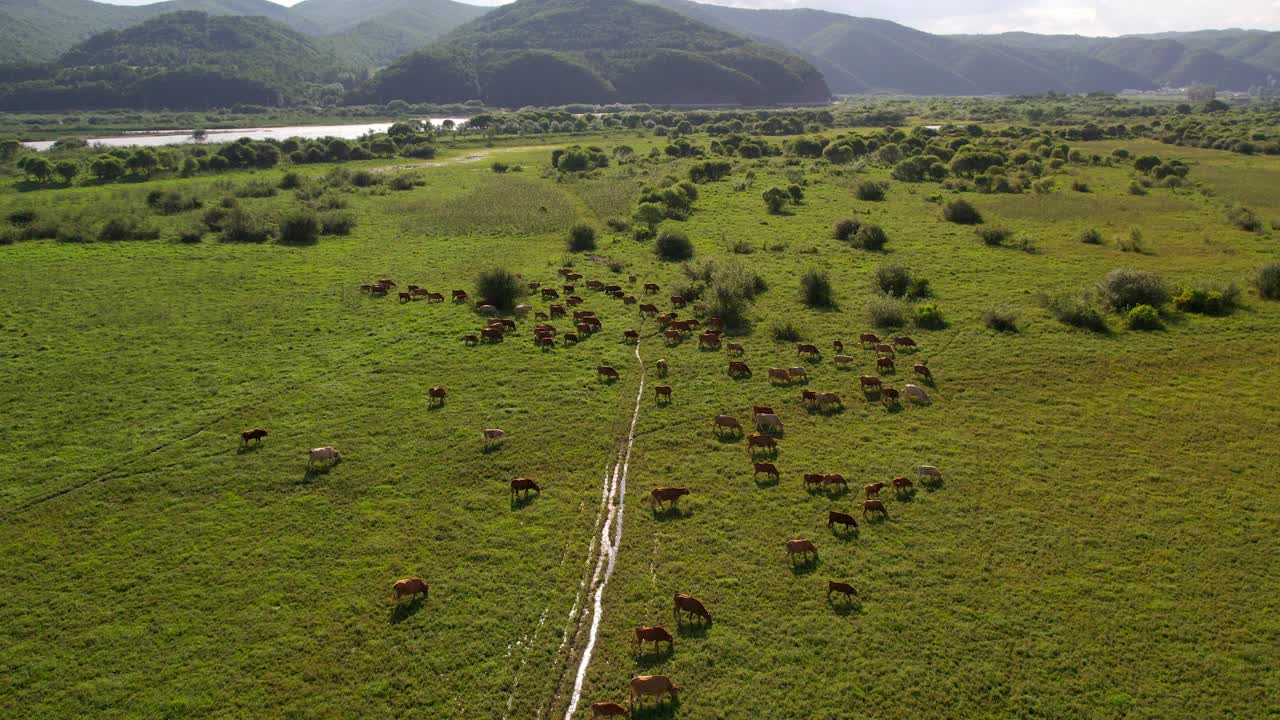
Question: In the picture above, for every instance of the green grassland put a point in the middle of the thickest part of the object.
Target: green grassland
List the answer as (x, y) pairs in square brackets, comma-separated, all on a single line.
[(1103, 545)]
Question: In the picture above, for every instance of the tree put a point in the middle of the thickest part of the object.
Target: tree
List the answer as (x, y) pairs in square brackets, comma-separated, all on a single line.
[(67, 169), (107, 168), (775, 199), (36, 168), (499, 288), (8, 148), (143, 161), (1146, 163)]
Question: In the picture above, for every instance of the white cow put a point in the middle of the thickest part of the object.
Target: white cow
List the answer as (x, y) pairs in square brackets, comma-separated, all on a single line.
[(322, 454), (764, 420), (522, 310), (929, 471), (492, 435), (844, 359), (797, 372), (917, 392), (488, 310)]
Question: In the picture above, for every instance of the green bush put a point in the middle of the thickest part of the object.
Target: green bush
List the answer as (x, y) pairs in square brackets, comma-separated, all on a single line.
[(301, 227), (1207, 300), (1144, 317), (170, 202), (785, 331), (337, 223), (815, 287), (364, 178), (22, 216), (618, 225), (1136, 188), (894, 280), (775, 199), (643, 233), (1092, 236), (673, 245), (241, 226), (499, 288), (1000, 319), (742, 247), (870, 190), (1267, 281), (961, 212), (1076, 311), (871, 237), (1244, 218), (929, 316), (885, 311), (1080, 186), (500, 167), (290, 181), (117, 229), (1122, 290), (844, 229), (994, 236), (582, 238), (256, 189), (191, 234)]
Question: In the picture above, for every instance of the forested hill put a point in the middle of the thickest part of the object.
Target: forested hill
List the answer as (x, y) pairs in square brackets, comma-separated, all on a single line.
[(382, 30), (548, 52)]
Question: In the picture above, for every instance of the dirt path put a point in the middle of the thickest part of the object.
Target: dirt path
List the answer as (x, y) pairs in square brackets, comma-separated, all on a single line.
[(470, 157)]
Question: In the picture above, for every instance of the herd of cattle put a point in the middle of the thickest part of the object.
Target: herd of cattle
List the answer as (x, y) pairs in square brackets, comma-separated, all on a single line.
[(767, 423)]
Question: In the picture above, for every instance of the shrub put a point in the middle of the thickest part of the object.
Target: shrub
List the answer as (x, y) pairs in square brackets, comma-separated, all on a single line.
[(1144, 317), (870, 190), (1080, 186), (742, 247), (23, 216), (785, 331), (500, 167), (1207, 301), (170, 202), (1136, 188), (1267, 281), (961, 212), (582, 238), (871, 237), (364, 178), (191, 234), (290, 181), (256, 189), (816, 288), (243, 226), (618, 224), (1076, 311), (929, 316), (775, 199), (1000, 319), (1043, 186), (1122, 290), (796, 192), (844, 229), (404, 181), (894, 280), (499, 288), (214, 217), (300, 227), (994, 236), (117, 229), (673, 245), (1133, 243), (337, 223), (887, 312), (643, 233), (1092, 236), (9, 235), (1244, 218)]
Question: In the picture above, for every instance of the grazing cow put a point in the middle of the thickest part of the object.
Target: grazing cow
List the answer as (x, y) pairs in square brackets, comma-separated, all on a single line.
[(249, 435), (654, 634), (595, 285), (673, 337), (631, 278), (708, 340), (798, 373), (870, 506), (387, 281), (582, 314), (885, 363), (814, 480), (836, 479), (470, 340), (545, 329), (904, 342), (545, 342), (868, 338), (668, 495), (889, 396), (662, 367), (487, 310), (760, 441), (737, 367), (417, 292), (873, 489), (491, 436), (884, 349), (843, 588), (573, 300), (929, 471), (522, 310), (837, 346), (366, 288), (691, 605), (524, 485), (901, 485), (405, 297), (409, 586), (766, 468), (550, 294), (378, 289), (541, 316), (652, 685), (629, 300), (593, 321), (808, 397), (492, 333), (534, 285), (922, 370), (682, 326), (666, 319), (583, 328), (322, 454), (630, 336), (435, 297), (573, 276), (662, 391), (761, 410), (768, 420), (459, 295), (869, 381), (726, 422), (827, 398), (568, 289), (436, 394), (806, 349), (607, 709), (844, 360), (612, 288), (915, 392), (835, 517), (570, 338), (556, 311), (677, 301), (649, 309), (651, 288), (801, 547), (733, 347), (508, 323), (779, 374), (607, 372)]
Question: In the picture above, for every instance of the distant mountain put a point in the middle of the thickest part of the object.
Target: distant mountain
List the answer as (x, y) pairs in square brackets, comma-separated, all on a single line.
[(551, 52), (383, 30), (1256, 47)]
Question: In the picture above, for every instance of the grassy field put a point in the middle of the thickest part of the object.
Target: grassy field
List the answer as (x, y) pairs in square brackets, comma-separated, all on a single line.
[(1103, 544)]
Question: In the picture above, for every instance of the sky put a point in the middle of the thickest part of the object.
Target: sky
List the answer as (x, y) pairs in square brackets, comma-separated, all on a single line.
[(1071, 17)]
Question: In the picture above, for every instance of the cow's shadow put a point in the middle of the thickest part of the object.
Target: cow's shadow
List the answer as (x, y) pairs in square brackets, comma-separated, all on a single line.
[(692, 628), (649, 659), (932, 484), (765, 480), (315, 471), (843, 534), (905, 496), (519, 502), (491, 448), (806, 566), (403, 611), (844, 607), (246, 449), (659, 711), (671, 513)]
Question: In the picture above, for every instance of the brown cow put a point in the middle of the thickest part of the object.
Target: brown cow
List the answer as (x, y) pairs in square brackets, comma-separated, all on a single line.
[(541, 316), (256, 434), (814, 480), (435, 297), (649, 309), (573, 300), (835, 479), (733, 347), (405, 297), (766, 468), (491, 436), (827, 398), (436, 395), (550, 294), (607, 372), (873, 489), (904, 341), (592, 320), (761, 410), (545, 342), (583, 328), (889, 396), (798, 373), (737, 367), (492, 334), (630, 336), (922, 370), (844, 360), (612, 288), (651, 288), (459, 295), (662, 368), (581, 314), (607, 709), (409, 586), (869, 506), (556, 311), (806, 349), (726, 421), (573, 276), (760, 441), (837, 346), (568, 289), (844, 588), (677, 301), (901, 485), (524, 485), (417, 292), (869, 381), (801, 547), (691, 605), (657, 685), (673, 337), (868, 338), (387, 281), (662, 391), (835, 517), (884, 349), (654, 634), (570, 338), (534, 285), (683, 326), (708, 340), (885, 363), (668, 495), (470, 340), (779, 374), (808, 397)]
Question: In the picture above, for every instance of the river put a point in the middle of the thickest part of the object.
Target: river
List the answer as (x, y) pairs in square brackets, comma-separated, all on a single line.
[(155, 138)]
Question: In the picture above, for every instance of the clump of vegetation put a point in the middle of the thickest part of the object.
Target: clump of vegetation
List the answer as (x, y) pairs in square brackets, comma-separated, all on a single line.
[(1207, 300), (961, 212), (1267, 281), (1076, 310), (364, 179), (1244, 218), (499, 288), (785, 331), (993, 236), (897, 281), (815, 288), (673, 245), (618, 225), (404, 181), (22, 216), (1144, 317), (1133, 243), (578, 159), (191, 234), (170, 202), (726, 290), (302, 227), (845, 228), (775, 199), (242, 226), (1080, 186), (1122, 290), (499, 167), (1136, 188), (929, 316), (885, 311), (871, 237), (709, 171), (256, 189), (1092, 236), (582, 238), (120, 228), (1000, 319), (290, 181), (741, 247), (870, 190)]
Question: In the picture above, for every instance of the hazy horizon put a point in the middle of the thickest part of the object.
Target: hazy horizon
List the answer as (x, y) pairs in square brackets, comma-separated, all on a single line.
[(1055, 17)]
